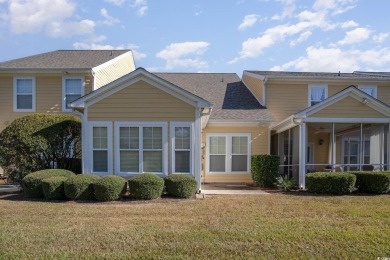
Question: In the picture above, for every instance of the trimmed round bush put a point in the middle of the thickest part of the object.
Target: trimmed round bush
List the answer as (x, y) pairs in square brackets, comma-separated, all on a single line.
[(182, 186), (109, 188), (372, 182), (32, 183), (330, 183), (265, 169), (80, 187), (53, 188), (146, 186)]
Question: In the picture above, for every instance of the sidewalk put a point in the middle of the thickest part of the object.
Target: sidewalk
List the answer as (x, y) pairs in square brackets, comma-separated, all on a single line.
[(8, 188)]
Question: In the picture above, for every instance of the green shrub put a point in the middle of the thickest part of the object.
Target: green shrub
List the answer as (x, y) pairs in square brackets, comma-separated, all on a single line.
[(182, 186), (40, 141), (80, 187), (265, 169), (53, 188), (330, 182), (146, 186), (284, 183), (32, 183), (372, 182), (109, 188)]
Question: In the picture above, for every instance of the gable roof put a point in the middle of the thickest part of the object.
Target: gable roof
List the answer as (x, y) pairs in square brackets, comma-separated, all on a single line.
[(322, 75), (63, 60), (230, 98)]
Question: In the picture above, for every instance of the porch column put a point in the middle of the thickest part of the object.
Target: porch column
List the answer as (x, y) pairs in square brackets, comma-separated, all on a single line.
[(198, 149), (302, 154)]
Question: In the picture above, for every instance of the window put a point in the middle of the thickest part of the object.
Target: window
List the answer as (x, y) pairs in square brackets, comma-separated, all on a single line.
[(72, 89), (228, 153), (317, 93), (181, 147), (101, 148), (141, 147), (370, 90), (24, 94)]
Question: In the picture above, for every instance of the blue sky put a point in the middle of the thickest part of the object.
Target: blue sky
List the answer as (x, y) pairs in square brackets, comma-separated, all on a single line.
[(207, 35)]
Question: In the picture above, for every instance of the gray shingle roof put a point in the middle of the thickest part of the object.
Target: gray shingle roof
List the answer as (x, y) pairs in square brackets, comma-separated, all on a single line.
[(62, 59), (231, 99), (356, 74)]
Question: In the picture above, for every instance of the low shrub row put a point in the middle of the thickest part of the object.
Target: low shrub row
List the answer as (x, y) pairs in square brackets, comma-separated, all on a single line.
[(62, 184), (344, 183)]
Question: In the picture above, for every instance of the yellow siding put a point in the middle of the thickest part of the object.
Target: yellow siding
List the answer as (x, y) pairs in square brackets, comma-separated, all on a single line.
[(348, 107), (384, 92), (259, 145), (255, 85), (48, 96), (115, 69), (141, 102)]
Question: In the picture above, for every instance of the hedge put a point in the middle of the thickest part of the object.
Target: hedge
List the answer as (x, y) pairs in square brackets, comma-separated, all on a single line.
[(182, 186), (146, 186), (109, 188), (53, 188), (330, 183), (265, 169), (32, 183), (80, 187), (372, 182)]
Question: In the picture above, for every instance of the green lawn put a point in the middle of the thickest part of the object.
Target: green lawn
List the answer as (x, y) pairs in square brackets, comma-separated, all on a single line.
[(273, 226)]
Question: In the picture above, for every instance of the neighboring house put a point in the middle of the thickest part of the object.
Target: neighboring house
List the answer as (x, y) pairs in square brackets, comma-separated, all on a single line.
[(326, 121), (49, 82), (204, 124)]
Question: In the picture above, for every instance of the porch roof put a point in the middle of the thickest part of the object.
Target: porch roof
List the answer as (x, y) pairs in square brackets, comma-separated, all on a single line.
[(380, 114)]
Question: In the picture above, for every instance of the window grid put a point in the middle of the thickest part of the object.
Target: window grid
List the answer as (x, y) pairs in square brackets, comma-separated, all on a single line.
[(182, 149), (100, 149)]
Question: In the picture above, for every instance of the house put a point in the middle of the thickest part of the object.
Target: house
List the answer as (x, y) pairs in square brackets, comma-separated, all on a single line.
[(326, 121), (49, 82)]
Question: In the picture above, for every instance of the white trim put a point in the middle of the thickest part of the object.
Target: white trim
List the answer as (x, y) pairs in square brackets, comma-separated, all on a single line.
[(370, 86), (198, 148), (140, 125), (89, 137), (112, 61), (302, 154), (346, 120), (241, 123), (316, 85), (64, 78), (264, 91), (228, 152), (33, 108), (172, 127)]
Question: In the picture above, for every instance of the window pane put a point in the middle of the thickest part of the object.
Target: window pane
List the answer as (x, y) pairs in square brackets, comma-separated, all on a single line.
[(24, 86), (369, 91), (217, 145), (217, 163), (243, 145), (73, 86), (182, 137), (129, 161), (70, 98), (152, 161), (134, 137), (152, 137), (317, 94), (100, 137), (240, 163), (182, 161), (24, 102), (100, 161)]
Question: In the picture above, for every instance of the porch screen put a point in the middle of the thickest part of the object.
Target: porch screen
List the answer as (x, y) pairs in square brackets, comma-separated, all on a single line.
[(100, 149)]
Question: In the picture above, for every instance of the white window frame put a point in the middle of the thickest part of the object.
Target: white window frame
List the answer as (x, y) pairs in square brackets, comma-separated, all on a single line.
[(64, 108), (370, 86), (140, 125), (173, 125), (33, 108), (316, 85), (109, 146), (228, 154)]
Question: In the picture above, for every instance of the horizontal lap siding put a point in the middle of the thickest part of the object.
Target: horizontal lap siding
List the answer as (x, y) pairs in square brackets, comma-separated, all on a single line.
[(384, 93), (347, 108), (141, 102), (259, 145), (255, 85)]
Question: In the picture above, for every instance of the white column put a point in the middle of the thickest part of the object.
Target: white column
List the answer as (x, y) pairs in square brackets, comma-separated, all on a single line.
[(198, 149), (302, 154), (388, 148), (85, 148)]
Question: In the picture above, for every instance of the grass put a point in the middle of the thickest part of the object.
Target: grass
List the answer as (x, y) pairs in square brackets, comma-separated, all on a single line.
[(241, 227)]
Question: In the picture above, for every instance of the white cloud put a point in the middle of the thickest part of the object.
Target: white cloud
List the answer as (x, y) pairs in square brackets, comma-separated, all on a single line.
[(302, 37), (141, 6), (288, 9), (116, 2), (349, 24), (137, 54), (323, 59), (379, 38), (184, 54), (51, 16), (355, 36), (249, 21), (108, 19)]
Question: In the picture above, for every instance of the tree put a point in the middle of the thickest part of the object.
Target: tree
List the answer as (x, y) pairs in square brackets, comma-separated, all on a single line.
[(40, 141)]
